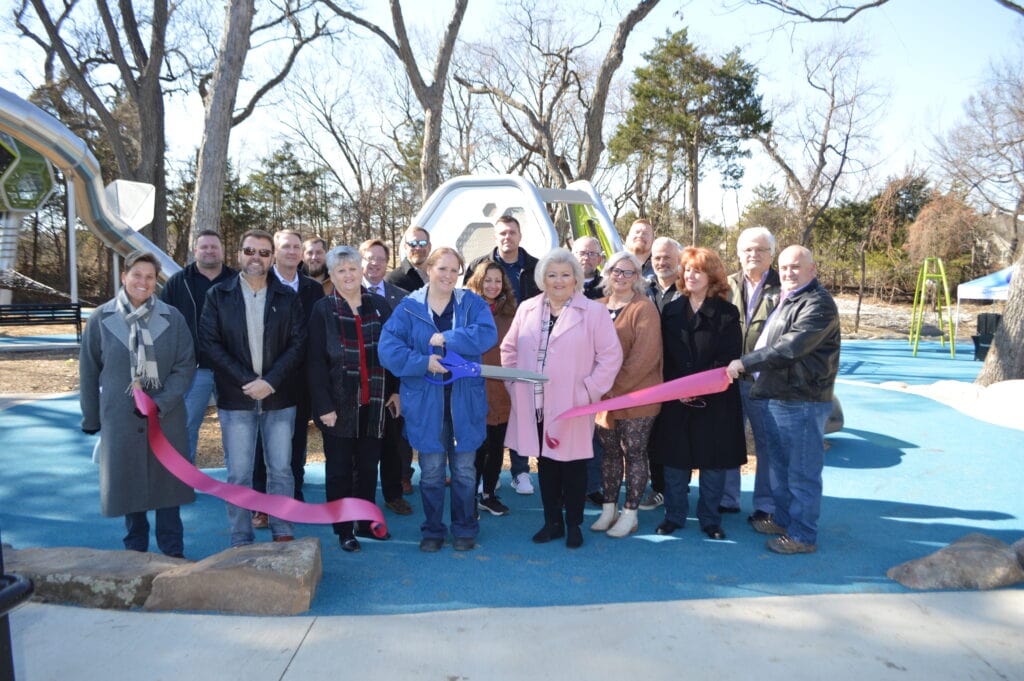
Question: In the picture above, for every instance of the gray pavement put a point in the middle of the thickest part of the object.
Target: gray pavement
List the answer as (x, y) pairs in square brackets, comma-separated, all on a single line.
[(936, 635)]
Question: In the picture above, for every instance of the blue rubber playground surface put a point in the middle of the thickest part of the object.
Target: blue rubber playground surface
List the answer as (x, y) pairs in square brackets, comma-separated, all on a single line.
[(905, 477)]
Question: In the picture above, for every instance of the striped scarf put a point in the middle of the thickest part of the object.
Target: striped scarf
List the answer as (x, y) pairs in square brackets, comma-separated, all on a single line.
[(359, 336), (144, 370)]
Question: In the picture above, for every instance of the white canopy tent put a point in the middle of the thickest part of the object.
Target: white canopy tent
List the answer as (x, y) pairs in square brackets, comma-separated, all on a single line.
[(994, 286)]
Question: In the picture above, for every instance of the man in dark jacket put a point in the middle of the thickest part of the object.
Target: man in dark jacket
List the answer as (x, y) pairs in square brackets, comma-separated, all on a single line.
[(410, 275), (588, 251), (517, 263), (186, 290), (396, 454), (253, 332), (795, 363), (520, 267), (754, 290)]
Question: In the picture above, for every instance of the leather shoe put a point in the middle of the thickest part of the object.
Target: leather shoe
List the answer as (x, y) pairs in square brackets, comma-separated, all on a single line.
[(667, 527), (573, 537), (367, 533), (464, 543), (407, 487), (260, 521), (728, 509), (549, 532), (714, 532), (349, 544), (399, 506), (431, 544), (284, 537)]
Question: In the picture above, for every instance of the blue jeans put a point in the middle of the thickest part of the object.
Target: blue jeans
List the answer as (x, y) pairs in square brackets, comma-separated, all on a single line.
[(463, 487), (196, 400), (677, 505), (795, 436), (755, 411), (169, 532), (238, 431)]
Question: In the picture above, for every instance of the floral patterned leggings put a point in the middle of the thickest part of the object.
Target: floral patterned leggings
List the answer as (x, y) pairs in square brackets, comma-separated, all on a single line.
[(627, 442)]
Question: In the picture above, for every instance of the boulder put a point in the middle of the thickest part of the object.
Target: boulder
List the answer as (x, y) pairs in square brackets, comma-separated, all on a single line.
[(975, 561), (89, 577), (1018, 546), (258, 579)]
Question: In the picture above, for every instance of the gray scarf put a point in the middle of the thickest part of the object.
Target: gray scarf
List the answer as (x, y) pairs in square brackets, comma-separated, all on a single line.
[(145, 372)]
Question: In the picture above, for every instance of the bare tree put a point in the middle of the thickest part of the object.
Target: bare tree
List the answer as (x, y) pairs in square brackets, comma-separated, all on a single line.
[(430, 95), (822, 141), (219, 91), (841, 12), (539, 88), (985, 152), (1006, 358)]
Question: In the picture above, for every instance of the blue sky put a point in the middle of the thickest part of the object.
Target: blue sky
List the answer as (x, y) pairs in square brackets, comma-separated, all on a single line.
[(929, 55)]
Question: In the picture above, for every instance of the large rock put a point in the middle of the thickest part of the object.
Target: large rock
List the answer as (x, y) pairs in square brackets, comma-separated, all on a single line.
[(89, 577), (1018, 546), (972, 562), (259, 579)]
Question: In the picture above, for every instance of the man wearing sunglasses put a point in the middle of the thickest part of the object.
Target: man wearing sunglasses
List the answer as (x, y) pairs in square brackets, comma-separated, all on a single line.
[(410, 275), (253, 333)]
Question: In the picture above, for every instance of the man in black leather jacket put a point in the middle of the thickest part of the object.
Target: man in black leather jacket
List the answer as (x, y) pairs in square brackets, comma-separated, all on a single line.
[(253, 333), (795, 363)]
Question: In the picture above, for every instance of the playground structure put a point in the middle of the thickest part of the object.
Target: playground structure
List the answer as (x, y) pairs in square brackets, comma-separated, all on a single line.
[(931, 276), (462, 211), (34, 143)]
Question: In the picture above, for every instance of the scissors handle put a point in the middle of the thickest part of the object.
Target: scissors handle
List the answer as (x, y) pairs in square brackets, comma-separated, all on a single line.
[(457, 366)]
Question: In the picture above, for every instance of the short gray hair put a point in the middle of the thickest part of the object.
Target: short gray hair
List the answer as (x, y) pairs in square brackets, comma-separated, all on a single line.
[(340, 254), (667, 240), (751, 233), (639, 283), (558, 256)]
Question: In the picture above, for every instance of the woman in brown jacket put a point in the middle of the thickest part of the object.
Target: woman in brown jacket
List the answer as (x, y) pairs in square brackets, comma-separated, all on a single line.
[(493, 285), (624, 433)]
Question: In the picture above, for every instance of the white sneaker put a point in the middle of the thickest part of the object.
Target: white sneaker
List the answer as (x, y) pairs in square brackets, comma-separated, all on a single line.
[(522, 484)]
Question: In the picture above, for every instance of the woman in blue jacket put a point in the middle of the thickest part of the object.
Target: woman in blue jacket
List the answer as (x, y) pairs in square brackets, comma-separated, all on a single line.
[(443, 423)]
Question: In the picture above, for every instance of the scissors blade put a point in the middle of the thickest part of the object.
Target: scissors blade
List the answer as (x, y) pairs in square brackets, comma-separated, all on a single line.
[(506, 374)]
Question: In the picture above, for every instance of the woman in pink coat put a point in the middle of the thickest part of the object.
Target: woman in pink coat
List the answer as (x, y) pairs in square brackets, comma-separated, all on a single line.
[(571, 340)]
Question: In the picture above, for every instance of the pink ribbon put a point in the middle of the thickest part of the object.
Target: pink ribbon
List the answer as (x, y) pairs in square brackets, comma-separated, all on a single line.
[(694, 385), (285, 508)]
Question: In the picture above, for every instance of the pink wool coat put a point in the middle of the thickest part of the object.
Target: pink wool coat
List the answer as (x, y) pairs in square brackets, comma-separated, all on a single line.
[(584, 356)]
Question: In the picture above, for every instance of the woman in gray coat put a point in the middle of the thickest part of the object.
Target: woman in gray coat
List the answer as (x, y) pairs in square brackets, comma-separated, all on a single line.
[(137, 339)]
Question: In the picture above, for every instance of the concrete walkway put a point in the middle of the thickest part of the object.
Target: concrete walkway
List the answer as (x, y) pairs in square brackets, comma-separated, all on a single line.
[(938, 635)]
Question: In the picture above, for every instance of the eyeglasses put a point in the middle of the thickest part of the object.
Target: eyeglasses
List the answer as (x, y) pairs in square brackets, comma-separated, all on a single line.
[(264, 252), (589, 254), (755, 251), (417, 243), (625, 274), (695, 402)]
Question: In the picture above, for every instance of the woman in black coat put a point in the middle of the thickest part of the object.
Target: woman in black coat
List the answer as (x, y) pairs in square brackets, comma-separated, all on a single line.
[(350, 389), (700, 331)]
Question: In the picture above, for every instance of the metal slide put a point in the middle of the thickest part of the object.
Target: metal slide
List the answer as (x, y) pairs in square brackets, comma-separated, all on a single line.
[(37, 129)]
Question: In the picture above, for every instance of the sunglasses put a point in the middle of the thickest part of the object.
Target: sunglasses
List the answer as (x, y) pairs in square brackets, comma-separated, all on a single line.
[(417, 243), (264, 252)]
